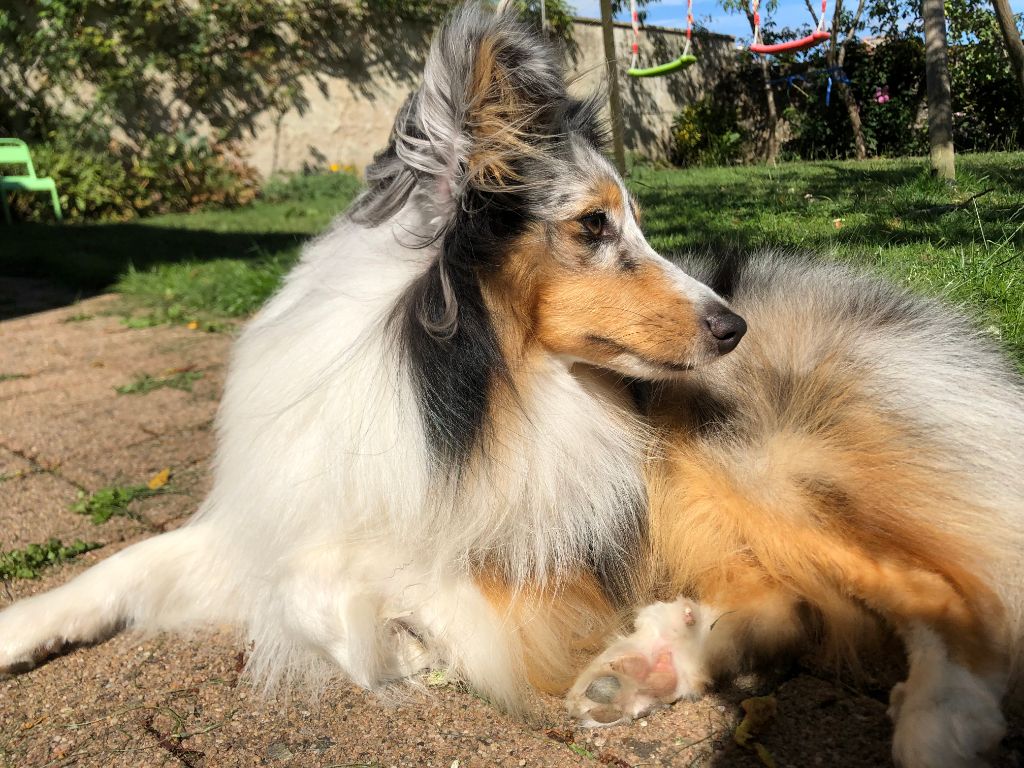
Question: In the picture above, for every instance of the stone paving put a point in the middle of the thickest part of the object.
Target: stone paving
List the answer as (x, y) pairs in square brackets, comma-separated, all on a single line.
[(182, 701)]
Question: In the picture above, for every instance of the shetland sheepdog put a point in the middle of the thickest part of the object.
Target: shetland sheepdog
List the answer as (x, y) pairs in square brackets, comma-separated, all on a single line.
[(484, 426)]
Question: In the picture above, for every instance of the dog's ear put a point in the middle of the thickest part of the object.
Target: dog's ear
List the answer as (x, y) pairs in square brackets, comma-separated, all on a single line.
[(493, 92), (513, 88)]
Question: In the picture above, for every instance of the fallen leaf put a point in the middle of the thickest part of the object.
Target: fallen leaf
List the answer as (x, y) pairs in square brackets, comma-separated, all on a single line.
[(758, 712), (159, 480), (27, 726), (193, 325), (562, 735)]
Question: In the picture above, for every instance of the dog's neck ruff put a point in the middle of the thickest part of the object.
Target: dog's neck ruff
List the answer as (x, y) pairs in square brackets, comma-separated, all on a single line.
[(554, 483)]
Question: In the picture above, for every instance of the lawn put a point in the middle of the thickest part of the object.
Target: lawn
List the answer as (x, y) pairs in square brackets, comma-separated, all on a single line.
[(964, 242)]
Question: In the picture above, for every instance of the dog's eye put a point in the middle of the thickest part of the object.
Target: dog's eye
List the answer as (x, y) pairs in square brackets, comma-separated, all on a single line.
[(595, 223)]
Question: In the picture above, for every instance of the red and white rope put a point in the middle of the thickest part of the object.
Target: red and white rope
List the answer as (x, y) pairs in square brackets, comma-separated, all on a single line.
[(635, 58)]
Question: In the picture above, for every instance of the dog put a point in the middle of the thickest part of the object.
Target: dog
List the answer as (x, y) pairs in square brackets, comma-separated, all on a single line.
[(484, 426)]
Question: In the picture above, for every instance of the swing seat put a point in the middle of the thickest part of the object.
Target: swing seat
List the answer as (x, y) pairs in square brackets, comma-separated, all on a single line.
[(663, 69), (817, 37)]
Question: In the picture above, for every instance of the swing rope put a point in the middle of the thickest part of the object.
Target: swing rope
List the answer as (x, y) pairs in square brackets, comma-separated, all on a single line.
[(818, 36), (686, 58)]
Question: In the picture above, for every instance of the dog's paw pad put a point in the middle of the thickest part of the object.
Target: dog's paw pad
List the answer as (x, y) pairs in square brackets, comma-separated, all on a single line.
[(624, 688), (661, 662)]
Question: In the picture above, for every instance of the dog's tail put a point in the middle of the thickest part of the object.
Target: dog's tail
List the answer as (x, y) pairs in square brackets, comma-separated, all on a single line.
[(169, 581)]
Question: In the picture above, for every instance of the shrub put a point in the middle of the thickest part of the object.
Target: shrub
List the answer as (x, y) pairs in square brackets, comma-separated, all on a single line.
[(891, 127), (707, 133), (302, 187), (176, 173)]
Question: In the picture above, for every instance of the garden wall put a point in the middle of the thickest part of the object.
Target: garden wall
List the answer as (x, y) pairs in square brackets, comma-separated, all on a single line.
[(345, 122)]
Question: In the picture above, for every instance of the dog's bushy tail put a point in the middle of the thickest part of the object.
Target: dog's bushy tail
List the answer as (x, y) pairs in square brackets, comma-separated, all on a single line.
[(166, 582)]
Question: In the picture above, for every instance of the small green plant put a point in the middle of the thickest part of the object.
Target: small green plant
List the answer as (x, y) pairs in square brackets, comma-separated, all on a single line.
[(111, 501), (79, 317), (707, 133), (28, 562), (12, 376), (145, 383)]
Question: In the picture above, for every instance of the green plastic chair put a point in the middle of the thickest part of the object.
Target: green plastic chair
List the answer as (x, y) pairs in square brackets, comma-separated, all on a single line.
[(15, 152)]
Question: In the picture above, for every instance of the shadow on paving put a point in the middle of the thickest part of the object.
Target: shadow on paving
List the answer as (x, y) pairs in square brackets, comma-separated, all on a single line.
[(47, 266)]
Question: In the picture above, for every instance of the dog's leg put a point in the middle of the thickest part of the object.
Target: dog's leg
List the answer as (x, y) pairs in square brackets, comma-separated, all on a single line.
[(947, 712), (947, 715), (381, 618), (167, 581), (678, 648)]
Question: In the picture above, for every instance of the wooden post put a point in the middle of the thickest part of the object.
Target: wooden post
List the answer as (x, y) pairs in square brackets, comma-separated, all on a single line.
[(612, 68), (940, 100)]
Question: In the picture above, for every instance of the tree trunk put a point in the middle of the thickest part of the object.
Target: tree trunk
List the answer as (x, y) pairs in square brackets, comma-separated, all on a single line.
[(614, 102), (773, 112), (940, 100), (853, 110), (1014, 46), (836, 57), (769, 98)]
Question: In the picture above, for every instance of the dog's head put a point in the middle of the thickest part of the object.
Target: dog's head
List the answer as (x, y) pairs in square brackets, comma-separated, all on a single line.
[(532, 224)]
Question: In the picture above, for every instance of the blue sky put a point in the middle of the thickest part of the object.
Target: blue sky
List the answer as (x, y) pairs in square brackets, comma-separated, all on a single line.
[(672, 13)]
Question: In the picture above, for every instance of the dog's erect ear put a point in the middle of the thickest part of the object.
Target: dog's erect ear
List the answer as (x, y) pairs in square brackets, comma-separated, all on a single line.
[(500, 84), (492, 92), (513, 90)]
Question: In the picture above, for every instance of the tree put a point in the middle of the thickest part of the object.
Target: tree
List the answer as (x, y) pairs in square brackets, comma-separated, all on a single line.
[(940, 100), (1014, 46), (145, 68), (732, 6), (835, 56)]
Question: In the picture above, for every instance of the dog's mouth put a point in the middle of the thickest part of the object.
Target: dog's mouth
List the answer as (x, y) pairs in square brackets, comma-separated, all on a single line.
[(616, 348)]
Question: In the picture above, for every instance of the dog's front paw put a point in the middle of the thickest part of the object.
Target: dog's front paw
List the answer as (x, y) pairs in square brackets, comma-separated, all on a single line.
[(658, 664), (950, 721)]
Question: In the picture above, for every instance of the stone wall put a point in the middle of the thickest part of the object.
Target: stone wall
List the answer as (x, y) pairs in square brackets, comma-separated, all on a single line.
[(345, 123)]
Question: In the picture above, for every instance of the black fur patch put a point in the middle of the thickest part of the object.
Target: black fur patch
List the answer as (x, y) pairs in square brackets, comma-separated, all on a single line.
[(454, 374)]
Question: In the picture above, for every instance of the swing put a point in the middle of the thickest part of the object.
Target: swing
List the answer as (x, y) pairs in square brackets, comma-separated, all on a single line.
[(817, 37), (685, 58)]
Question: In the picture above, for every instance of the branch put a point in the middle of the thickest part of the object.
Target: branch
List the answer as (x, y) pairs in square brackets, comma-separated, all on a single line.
[(810, 8), (855, 23)]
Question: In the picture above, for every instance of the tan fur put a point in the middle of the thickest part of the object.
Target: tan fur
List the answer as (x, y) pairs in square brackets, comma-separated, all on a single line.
[(820, 529), (560, 626), (829, 510), (588, 314), (498, 117)]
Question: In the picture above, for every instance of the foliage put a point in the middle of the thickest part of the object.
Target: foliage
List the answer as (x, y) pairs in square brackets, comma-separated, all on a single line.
[(144, 384), (310, 186), (111, 94), (707, 133), (172, 173), (28, 562), (93, 64), (111, 501), (893, 123), (987, 110)]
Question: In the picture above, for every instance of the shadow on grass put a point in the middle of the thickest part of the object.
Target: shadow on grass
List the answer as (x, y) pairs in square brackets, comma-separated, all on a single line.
[(888, 206), (82, 261)]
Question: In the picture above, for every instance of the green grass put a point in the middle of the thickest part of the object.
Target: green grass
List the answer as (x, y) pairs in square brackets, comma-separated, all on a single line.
[(112, 501), (12, 376), (144, 384), (201, 267), (28, 562), (887, 214), (892, 216)]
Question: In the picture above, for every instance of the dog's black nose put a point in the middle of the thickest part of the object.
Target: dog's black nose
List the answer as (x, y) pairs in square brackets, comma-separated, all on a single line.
[(727, 328)]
